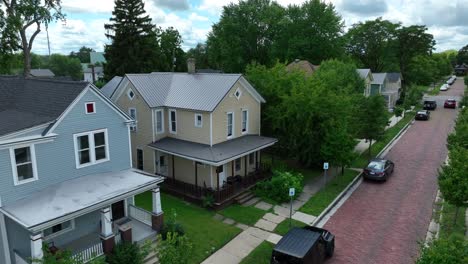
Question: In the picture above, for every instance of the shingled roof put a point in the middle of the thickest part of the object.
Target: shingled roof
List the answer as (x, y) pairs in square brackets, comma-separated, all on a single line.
[(26, 103)]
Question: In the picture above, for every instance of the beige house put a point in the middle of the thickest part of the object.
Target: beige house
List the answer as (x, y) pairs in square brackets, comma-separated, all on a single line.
[(366, 74), (199, 130)]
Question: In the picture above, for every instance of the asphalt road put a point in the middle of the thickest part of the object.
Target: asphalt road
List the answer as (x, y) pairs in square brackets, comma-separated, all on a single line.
[(383, 222)]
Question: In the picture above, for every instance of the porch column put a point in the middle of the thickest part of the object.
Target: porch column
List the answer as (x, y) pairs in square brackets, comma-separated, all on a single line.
[(36, 247), (157, 217), (233, 163), (173, 167), (256, 161), (245, 165), (107, 235), (196, 173)]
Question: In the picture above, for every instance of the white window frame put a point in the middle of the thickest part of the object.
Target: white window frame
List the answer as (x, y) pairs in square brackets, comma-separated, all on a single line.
[(156, 121), (134, 127), (238, 90), (92, 150), (246, 121), (170, 121), (61, 232), (128, 94), (201, 120), (86, 108), (232, 125), (14, 165)]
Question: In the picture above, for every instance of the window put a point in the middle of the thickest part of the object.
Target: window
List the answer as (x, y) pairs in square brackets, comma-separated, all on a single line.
[(245, 120), (238, 93), (252, 158), (140, 159), (91, 148), (133, 114), (130, 94), (173, 121), (159, 121), (59, 229), (230, 124), (198, 120), (238, 164), (23, 161), (90, 108)]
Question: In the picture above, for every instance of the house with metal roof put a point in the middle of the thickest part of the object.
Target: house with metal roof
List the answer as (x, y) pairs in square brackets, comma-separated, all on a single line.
[(42, 73), (388, 85), (201, 131), (366, 74), (67, 180)]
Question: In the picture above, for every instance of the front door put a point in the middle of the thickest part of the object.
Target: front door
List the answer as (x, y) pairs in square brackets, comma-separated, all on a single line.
[(221, 174), (118, 210), (161, 164)]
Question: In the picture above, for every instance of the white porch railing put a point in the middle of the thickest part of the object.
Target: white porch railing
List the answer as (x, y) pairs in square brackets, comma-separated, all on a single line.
[(89, 253), (140, 215), (19, 259), (118, 238)]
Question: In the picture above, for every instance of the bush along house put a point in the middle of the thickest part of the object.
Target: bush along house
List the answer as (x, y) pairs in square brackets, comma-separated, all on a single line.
[(201, 131), (66, 179)]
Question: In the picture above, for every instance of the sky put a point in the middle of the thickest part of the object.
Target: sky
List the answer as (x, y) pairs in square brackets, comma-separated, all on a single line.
[(447, 20)]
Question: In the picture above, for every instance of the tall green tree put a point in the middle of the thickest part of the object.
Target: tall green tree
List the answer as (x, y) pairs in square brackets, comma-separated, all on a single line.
[(82, 54), (134, 47), (200, 54), (462, 56), (244, 34), (62, 65), (172, 57), (311, 31), (17, 17)]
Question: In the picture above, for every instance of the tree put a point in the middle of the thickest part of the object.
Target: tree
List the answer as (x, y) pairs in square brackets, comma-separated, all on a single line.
[(134, 47), (199, 53), (174, 249), (452, 250), (128, 252), (311, 31), (62, 65), (373, 44), (462, 56), (16, 17), (82, 54), (244, 34), (372, 118), (172, 57)]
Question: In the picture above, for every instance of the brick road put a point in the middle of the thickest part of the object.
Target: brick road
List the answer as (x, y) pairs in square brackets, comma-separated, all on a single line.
[(383, 222)]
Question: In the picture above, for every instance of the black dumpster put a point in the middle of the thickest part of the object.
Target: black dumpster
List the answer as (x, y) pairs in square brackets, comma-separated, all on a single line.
[(308, 245)]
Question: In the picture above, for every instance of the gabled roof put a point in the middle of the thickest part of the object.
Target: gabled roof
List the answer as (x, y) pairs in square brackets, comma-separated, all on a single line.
[(109, 88), (96, 57), (25, 103), (41, 73), (199, 91), (364, 73), (303, 65), (379, 78), (97, 70), (394, 76)]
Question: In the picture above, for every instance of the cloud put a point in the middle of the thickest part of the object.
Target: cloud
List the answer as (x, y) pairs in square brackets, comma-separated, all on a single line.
[(173, 4), (88, 6), (365, 7)]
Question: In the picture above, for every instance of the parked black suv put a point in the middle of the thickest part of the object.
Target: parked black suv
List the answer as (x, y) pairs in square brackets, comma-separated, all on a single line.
[(430, 105)]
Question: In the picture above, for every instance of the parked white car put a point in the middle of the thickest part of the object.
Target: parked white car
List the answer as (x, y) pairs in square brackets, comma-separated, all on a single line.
[(444, 87)]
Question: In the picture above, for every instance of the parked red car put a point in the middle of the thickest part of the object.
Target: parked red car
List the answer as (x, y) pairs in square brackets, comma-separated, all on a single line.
[(450, 103)]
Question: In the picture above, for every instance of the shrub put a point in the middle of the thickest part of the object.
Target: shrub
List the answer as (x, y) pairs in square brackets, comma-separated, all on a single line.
[(126, 252), (172, 226), (445, 251), (398, 111), (174, 249), (208, 200), (277, 189)]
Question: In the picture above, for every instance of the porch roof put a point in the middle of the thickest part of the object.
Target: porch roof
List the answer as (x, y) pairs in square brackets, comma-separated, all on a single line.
[(69, 199), (217, 154)]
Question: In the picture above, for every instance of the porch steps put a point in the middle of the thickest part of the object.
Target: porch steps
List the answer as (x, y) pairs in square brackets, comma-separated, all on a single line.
[(152, 258), (246, 198)]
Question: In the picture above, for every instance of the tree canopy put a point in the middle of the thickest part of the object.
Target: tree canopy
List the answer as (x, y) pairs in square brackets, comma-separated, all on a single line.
[(82, 54), (462, 56)]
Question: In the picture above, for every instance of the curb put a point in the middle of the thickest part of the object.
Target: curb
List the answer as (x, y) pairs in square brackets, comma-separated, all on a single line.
[(357, 179)]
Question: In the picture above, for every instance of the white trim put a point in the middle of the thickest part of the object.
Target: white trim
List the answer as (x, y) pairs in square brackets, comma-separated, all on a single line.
[(211, 176), (162, 121), (128, 94), (233, 127), (24, 131), (120, 88), (246, 121), (170, 121), (238, 90), (130, 145), (92, 150), (6, 245), (27, 140), (86, 108), (61, 232), (14, 165), (196, 119), (152, 124), (250, 89), (211, 129), (133, 127)]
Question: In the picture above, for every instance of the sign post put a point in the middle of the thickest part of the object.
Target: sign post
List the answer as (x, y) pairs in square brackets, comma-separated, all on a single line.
[(325, 168), (292, 191)]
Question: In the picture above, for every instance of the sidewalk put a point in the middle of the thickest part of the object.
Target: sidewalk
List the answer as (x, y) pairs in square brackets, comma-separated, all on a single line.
[(363, 145)]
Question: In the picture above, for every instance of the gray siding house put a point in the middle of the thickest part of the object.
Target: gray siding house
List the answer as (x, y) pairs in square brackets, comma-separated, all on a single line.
[(66, 177)]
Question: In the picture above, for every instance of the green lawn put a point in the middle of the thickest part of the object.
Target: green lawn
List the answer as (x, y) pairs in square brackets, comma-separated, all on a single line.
[(283, 227), (362, 160), (449, 226), (279, 163), (260, 255), (248, 215), (325, 196), (206, 234)]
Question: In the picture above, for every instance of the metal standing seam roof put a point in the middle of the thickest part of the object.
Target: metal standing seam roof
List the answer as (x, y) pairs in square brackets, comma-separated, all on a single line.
[(297, 242), (77, 194), (200, 91), (42, 73), (109, 88), (393, 76), (216, 154), (363, 73), (379, 78)]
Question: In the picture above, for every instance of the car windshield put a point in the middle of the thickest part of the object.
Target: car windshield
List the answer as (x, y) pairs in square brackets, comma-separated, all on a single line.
[(375, 165)]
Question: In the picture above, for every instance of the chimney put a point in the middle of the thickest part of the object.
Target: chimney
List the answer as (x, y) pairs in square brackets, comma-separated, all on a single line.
[(191, 65)]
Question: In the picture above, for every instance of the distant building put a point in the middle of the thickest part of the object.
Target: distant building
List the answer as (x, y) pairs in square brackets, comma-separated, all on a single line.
[(88, 74), (302, 65), (97, 57), (461, 69), (42, 73)]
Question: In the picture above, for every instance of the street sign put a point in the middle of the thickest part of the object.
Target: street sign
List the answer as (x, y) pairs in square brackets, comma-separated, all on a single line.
[(292, 191), (325, 165)]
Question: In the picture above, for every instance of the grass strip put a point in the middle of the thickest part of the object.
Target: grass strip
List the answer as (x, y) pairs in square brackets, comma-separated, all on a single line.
[(283, 227), (247, 215), (260, 255)]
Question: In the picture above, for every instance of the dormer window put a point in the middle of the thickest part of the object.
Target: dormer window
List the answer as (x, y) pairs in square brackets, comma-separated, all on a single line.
[(238, 93), (130, 94), (90, 108)]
